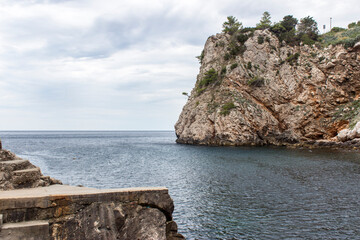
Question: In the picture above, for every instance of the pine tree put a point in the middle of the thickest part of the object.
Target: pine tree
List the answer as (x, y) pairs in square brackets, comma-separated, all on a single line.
[(232, 25), (307, 28), (265, 21)]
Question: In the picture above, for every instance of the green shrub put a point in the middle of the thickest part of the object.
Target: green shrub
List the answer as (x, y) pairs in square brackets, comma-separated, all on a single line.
[(292, 58), (200, 90), (201, 57), (256, 81), (350, 42), (321, 59), (227, 56), (233, 50), (220, 44), (348, 37), (242, 38), (209, 77), (223, 71), (337, 29), (233, 66), (247, 29), (249, 65), (260, 39), (349, 111), (351, 25), (226, 108)]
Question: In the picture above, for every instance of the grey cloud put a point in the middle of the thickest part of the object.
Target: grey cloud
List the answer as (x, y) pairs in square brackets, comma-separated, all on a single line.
[(115, 70)]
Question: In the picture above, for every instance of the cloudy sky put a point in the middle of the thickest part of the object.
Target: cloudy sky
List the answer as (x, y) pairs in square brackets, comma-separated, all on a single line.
[(118, 64)]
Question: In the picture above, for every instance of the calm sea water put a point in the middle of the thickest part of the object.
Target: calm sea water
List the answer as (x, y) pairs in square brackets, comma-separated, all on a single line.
[(219, 192)]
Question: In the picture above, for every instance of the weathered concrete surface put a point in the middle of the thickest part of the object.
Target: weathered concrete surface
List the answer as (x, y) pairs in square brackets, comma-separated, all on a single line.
[(88, 213), (57, 211), (32, 230)]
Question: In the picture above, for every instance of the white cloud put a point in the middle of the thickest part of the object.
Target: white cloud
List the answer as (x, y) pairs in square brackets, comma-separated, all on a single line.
[(91, 64)]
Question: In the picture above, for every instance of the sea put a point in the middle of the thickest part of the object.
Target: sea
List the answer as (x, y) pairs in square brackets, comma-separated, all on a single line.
[(218, 192)]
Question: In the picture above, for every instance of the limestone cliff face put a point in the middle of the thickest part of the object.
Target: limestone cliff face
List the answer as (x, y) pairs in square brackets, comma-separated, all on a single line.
[(270, 93)]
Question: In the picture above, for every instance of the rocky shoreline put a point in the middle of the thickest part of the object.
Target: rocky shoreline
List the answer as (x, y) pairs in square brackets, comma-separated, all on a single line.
[(34, 206)]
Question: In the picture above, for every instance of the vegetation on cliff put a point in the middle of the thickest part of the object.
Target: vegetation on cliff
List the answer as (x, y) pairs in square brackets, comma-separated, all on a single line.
[(276, 83)]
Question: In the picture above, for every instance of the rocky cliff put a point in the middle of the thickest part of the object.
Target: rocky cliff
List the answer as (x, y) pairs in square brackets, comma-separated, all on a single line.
[(255, 90)]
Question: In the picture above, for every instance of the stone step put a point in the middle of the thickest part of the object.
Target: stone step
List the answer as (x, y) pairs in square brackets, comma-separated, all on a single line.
[(23, 178), (31, 230), (6, 155), (16, 164)]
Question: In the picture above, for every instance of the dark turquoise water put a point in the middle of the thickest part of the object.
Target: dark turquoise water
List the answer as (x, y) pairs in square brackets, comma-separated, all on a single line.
[(219, 192)]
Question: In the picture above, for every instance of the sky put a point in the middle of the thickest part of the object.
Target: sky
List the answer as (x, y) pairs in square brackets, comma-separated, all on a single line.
[(118, 64)]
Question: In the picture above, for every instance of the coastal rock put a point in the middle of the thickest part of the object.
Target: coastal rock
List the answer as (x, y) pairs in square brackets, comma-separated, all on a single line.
[(17, 173), (65, 212), (349, 134), (42, 208), (270, 93), (343, 135)]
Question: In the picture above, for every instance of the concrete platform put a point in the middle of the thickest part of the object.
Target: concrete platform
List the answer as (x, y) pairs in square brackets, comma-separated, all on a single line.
[(45, 197), (69, 212), (55, 190)]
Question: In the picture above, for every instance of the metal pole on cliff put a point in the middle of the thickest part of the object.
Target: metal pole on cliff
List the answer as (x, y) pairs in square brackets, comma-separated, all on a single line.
[(330, 23)]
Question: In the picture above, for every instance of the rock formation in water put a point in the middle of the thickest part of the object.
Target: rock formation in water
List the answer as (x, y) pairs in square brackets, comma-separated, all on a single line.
[(255, 90), (39, 207)]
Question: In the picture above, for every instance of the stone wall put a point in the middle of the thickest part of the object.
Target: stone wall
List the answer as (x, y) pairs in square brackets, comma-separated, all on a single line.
[(67, 212), (39, 207)]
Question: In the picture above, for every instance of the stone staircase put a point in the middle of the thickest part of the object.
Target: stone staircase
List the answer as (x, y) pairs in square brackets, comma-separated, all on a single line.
[(19, 173), (37, 207), (30, 230)]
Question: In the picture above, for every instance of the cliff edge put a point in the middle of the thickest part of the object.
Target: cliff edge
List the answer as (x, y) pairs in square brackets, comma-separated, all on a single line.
[(253, 89)]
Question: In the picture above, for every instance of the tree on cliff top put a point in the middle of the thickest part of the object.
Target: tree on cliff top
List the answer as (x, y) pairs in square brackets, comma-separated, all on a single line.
[(308, 26), (285, 30), (232, 25), (265, 21), (289, 22)]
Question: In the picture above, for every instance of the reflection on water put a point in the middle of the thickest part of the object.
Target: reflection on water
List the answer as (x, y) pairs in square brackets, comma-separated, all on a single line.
[(219, 192)]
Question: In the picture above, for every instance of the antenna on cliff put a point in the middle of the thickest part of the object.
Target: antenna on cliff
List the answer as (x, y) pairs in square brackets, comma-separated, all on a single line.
[(330, 23)]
